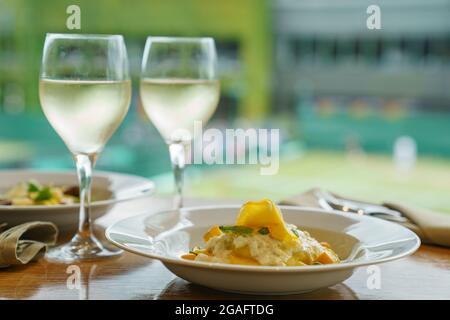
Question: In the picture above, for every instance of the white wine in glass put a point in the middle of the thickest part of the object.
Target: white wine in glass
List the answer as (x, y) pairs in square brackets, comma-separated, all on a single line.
[(85, 92), (178, 87), (85, 113), (176, 103)]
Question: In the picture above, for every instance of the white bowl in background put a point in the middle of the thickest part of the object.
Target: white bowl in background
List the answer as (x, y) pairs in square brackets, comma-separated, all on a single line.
[(109, 188)]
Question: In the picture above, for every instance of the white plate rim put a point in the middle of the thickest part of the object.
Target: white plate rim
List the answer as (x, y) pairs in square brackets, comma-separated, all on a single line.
[(288, 269), (148, 190)]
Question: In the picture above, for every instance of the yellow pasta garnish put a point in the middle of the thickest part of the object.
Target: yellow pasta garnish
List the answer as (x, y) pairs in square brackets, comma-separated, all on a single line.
[(264, 213), (213, 232), (234, 259)]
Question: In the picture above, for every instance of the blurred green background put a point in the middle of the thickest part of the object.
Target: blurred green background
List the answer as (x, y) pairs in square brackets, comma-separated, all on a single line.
[(362, 112)]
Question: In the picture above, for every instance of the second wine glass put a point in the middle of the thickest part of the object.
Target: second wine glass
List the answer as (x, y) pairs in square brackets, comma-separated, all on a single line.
[(178, 87)]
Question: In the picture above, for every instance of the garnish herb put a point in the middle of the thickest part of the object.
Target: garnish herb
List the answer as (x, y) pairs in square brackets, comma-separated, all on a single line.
[(237, 229), (44, 194), (294, 231), (32, 187), (263, 231)]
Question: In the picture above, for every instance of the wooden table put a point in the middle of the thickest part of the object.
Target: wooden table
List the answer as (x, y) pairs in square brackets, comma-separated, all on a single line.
[(424, 275)]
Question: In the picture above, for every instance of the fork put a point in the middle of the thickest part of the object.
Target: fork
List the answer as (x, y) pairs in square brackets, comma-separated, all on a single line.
[(329, 202)]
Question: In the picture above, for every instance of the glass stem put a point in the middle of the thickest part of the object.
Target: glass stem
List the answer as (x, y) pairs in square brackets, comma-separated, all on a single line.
[(177, 158), (84, 165)]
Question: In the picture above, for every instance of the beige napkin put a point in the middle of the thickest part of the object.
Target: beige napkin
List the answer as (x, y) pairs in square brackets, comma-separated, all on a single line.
[(26, 242), (431, 227)]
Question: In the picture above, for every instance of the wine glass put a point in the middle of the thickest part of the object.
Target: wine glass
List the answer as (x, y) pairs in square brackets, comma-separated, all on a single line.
[(178, 87), (85, 92)]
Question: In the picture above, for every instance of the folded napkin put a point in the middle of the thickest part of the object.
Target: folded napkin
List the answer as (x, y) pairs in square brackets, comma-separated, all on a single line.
[(432, 227), (26, 242)]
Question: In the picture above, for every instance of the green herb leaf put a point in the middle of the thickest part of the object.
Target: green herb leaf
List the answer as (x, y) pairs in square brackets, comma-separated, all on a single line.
[(294, 231), (33, 186), (263, 231), (237, 229), (44, 194)]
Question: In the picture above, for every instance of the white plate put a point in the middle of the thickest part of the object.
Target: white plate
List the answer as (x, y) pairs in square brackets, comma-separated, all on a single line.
[(110, 188), (167, 235)]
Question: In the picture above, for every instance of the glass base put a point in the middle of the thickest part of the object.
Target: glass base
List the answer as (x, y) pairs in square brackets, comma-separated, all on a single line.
[(80, 248)]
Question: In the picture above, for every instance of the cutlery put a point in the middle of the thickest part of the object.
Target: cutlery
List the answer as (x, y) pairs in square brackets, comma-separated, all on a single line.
[(330, 202)]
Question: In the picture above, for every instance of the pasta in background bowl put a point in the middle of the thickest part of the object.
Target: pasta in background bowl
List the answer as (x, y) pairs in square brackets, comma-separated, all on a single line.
[(33, 193), (108, 189)]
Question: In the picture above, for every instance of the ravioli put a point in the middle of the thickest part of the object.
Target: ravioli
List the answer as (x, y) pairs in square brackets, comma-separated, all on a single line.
[(264, 213)]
